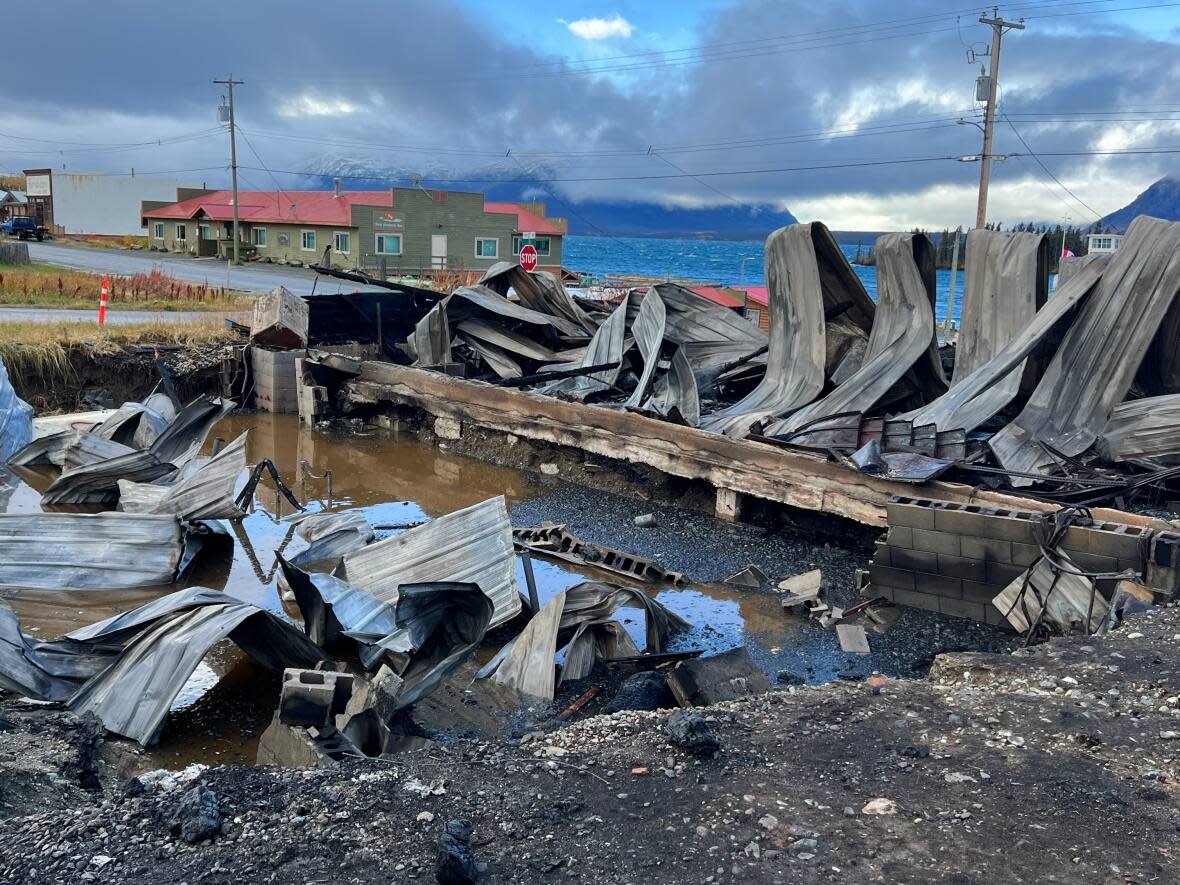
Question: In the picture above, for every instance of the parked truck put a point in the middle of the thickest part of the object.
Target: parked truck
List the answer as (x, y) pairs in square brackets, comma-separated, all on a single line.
[(24, 227)]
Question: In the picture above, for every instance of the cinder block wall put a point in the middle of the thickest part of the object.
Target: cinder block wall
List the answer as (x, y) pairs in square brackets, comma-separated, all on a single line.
[(955, 558), (275, 379)]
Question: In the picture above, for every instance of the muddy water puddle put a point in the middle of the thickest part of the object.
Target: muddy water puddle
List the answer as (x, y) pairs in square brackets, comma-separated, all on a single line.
[(398, 481)]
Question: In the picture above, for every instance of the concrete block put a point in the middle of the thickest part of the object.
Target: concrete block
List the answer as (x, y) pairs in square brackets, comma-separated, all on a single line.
[(313, 697), (936, 542), (1000, 574), (958, 519), (961, 567), (974, 591), (1093, 562), (724, 677), (901, 536), (1106, 539), (961, 608), (1006, 525), (940, 585), (448, 428), (912, 512), (1024, 554), (986, 549), (916, 600), (883, 575), (914, 560), (882, 554)]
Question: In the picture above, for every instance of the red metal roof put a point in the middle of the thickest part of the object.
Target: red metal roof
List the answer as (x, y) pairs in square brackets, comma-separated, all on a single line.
[(291, 207), (525, 219), (757, 294), (719, 296)]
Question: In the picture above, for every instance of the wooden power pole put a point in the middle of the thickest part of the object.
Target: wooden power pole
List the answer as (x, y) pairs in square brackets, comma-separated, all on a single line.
[(229, 84), (998, 26)]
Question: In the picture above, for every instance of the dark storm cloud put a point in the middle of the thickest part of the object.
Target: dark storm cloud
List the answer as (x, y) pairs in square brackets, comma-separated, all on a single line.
[(437, 74)]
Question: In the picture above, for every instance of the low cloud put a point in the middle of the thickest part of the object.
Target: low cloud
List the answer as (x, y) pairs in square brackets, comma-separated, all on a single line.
[(601, 28)]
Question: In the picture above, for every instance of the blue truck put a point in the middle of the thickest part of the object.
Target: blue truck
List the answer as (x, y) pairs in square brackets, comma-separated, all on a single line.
[(24, 227)]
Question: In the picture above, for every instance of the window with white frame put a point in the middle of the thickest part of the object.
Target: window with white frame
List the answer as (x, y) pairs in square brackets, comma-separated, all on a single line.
[(754, 315), (203, 232), (342, 242), (389, 244), (307, 240), (540, 243), (487, 247), (259, 236), (181, 232), (158, 232)]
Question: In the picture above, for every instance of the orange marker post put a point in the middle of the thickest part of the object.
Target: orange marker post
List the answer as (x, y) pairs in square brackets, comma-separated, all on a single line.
[(102, 301)]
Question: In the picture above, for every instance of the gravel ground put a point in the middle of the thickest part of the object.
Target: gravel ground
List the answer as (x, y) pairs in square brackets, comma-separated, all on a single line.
[(707, 549), (1056, 764)]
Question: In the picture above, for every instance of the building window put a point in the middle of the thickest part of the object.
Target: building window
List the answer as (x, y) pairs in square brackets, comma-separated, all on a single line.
[(342, 242), (541, 243), (259, 234), (181, 233), (158, 231), (203, 232), (307, 241), (487, 247), (389, 244), (754, 315)]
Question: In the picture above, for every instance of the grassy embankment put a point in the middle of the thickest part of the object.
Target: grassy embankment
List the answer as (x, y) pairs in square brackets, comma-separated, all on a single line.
[(43, 285), (44, 349)]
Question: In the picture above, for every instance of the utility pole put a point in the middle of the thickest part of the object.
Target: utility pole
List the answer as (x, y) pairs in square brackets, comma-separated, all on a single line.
[(998, 26), (229, 84)]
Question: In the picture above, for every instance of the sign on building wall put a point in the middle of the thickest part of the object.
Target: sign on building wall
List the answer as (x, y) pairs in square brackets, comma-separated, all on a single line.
[(387, 219), (37, 186)]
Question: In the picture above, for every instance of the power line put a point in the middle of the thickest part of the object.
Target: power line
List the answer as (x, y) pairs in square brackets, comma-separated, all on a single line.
[(1041, 163)]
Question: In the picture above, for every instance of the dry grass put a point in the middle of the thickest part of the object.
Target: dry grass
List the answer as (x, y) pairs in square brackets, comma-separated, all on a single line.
[(42, 285), (44, 348)]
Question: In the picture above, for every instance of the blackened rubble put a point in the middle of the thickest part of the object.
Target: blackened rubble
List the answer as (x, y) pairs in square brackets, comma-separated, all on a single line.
[(1075, 745)]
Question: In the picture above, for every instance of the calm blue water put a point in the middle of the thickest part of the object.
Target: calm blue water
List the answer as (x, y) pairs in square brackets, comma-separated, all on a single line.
[(709, 261)]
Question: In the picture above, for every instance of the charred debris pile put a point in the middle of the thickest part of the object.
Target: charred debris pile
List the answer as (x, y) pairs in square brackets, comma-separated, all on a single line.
[(1071, 396), (1067, 398), (389, 622)]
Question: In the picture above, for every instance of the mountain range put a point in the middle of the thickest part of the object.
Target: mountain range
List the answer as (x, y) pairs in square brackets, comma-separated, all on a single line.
[(1161, 200), (595, 218)]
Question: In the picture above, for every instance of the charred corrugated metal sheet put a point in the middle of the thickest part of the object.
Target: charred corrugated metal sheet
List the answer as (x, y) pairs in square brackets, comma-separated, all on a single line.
[(982, 393), (162, 644), (902, 334), (648, 330), (1093, 369), (540, 291), (331, 535), (473, 545), (605, 348), (85, 551), (807, 274), (1144, 431), (206, 493), (1005, 283)]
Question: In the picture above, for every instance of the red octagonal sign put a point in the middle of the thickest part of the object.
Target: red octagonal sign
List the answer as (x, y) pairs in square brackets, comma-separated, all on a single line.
[(528, 257)]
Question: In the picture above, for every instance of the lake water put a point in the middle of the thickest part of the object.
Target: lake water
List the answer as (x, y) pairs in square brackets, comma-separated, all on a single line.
[(732, 263)]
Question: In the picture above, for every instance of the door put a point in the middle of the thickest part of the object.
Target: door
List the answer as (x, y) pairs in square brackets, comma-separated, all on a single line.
[(438, 251)]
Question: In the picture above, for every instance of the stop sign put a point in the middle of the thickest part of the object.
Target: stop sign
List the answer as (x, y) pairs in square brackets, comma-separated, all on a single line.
[(528, 258)]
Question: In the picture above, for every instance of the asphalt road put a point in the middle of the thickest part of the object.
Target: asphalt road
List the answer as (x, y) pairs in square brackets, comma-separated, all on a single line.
[(115, 317), (247, 278)]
